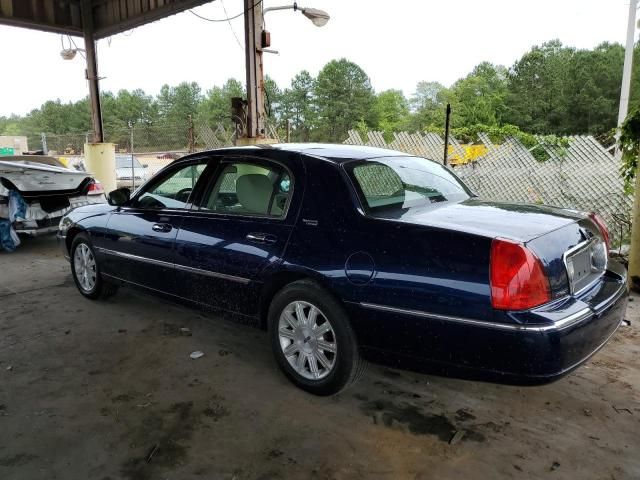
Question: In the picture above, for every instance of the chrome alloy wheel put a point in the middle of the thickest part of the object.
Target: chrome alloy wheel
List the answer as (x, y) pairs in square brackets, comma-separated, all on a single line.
[(307, 340), (85, 267)]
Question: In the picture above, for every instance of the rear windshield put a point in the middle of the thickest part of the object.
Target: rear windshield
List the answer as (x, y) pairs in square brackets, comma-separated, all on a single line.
[(390, 183), (125, 162)]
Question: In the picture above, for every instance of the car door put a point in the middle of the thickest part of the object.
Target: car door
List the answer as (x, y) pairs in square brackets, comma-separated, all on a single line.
[(138, 247), (240, 228)]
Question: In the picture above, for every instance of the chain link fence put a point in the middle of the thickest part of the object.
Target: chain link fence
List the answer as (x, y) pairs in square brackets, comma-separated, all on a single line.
[(584, 176)]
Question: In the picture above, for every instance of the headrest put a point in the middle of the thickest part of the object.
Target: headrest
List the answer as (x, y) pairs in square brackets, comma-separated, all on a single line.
[(254, 192)]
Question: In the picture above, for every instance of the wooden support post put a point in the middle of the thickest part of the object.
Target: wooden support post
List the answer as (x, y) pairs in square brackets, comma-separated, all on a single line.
[(92, 71)]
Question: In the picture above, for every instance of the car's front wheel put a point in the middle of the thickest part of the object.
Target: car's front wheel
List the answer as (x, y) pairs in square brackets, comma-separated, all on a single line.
[(86, 272), (312, 339)]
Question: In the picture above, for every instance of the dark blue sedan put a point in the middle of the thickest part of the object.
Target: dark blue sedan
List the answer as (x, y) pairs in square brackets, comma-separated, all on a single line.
[(351, 253)]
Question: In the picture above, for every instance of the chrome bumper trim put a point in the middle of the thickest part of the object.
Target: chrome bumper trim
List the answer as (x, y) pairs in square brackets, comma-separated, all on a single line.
[(36, 231), (566, 322), (160, 263)]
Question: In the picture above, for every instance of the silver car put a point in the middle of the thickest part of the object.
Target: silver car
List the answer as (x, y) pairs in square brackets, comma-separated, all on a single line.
[(129, 171)]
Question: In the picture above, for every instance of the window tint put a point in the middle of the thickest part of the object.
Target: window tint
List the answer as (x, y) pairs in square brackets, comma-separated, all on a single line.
[(172, 191), (248, 189), (403, 182)]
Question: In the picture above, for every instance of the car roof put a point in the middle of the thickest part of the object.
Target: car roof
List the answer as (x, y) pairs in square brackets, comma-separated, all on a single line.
[(338, 152), (335, 152)]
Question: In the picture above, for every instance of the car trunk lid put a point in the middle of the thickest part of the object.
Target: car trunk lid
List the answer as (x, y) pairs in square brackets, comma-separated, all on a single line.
[(35, 179), (518, 222)]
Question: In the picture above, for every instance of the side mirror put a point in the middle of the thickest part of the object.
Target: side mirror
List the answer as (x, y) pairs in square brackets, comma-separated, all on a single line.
[(119, 197)]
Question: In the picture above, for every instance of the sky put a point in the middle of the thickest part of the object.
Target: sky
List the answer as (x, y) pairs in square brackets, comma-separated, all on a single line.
[(397, 43)]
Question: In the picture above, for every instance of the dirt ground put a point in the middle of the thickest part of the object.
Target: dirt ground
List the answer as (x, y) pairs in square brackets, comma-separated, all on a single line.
[(107, 390)]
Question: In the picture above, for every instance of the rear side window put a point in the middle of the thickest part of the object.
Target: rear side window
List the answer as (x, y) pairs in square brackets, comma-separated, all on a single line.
[(249, 189), (404, 182)]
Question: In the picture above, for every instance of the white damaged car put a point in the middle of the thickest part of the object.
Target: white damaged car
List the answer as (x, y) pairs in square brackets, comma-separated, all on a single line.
[(48, 188)]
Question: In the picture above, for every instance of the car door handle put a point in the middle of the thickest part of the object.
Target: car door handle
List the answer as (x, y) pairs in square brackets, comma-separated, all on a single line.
[(161, 227), (257, 237)]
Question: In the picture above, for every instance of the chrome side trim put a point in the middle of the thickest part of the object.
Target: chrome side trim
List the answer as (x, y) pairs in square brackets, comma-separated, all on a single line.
[(209, 273), (558, 325), (152, 261), (136, 258)]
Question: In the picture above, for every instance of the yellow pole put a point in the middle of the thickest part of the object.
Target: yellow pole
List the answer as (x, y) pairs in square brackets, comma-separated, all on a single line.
[(100, 160), (634, 250)]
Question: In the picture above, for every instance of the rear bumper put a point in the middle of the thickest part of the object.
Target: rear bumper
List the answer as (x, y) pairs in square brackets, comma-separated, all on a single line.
[(40, 222), (537, 346), (35, 228)]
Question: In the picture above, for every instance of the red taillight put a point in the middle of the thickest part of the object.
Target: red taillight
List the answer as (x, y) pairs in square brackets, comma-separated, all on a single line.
[(95, 188), (518, 281), (604, 231)]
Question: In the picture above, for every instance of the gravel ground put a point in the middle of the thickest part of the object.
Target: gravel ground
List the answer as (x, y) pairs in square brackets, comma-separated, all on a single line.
[(107, 390)]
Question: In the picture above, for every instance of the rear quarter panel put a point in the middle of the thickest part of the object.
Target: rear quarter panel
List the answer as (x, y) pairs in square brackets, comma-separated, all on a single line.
[(390, 263)]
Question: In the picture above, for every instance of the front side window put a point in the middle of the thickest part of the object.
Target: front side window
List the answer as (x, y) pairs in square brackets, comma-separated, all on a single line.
[(247, 189), (172, 191), (404, 182)]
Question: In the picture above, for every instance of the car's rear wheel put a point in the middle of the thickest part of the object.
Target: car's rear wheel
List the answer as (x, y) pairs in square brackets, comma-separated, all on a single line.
[(86, 272), (312, 339)]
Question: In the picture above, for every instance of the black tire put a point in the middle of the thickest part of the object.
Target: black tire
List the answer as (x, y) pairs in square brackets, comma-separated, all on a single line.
[(348, 366), (101, 288)]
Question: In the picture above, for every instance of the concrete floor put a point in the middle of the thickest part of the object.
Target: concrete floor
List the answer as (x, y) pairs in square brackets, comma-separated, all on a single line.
[(107, 390)]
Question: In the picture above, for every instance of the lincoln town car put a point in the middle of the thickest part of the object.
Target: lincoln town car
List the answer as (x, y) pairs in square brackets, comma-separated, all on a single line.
[(351, 254)]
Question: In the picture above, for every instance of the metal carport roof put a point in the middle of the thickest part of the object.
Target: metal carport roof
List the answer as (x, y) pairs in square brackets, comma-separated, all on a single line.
[(109, 16)]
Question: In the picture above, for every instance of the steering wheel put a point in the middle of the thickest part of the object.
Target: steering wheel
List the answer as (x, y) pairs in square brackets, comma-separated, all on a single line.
[(185, 192)]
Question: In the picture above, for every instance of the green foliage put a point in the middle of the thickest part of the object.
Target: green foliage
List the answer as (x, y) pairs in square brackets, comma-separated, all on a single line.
[(561, 90), (479, 98), (552, 90), (428, 105), (391, 110), (273, 97), (630, 147), (344, 96), (298, 106), (216, 105), (175, 104)]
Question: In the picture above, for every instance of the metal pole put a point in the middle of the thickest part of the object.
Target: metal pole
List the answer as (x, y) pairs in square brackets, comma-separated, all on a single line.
[(446, 133), (628, 64), (92, 71), (133, 168), (43, 138), (255, 80), (191, 135), (288, 130)]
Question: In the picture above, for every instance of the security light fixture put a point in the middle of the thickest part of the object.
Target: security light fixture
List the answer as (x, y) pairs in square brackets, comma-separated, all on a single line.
[(318, 17), (70, 53)]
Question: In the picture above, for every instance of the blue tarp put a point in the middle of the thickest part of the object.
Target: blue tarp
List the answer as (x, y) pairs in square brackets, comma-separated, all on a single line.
[(7, 236), (17, 210), (17, 206)]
